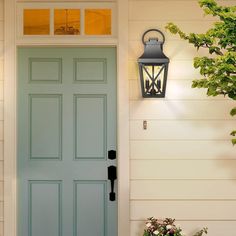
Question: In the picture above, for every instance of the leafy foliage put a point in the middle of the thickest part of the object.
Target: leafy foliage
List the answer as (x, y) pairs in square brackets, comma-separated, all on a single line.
[(219, 69), (201, 232), (166, 227)]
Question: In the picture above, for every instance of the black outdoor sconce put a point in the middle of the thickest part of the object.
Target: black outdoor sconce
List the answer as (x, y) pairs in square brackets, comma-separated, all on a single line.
[(153, 67)]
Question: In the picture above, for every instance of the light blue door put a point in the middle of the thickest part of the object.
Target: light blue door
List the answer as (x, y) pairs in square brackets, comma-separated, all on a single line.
[(66, 128)]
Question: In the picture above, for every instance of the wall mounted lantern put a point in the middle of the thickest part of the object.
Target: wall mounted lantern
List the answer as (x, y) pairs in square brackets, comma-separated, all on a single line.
[(153, 67)]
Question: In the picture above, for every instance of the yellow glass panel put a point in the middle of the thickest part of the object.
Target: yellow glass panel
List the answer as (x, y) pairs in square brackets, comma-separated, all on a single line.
[(36, 21), (97, 21), (66, 21)]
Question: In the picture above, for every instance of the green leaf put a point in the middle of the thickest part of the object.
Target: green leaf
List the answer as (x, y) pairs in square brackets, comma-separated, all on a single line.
[(233, 133), (233, 112), (232, 94), (146, 234), (233, 141)]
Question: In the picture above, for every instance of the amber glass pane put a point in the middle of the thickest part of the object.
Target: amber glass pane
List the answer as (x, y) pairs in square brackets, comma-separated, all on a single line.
[(36, 21), (98, 21), (66, 21)]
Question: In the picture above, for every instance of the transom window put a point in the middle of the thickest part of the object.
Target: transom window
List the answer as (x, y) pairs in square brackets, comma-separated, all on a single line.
[(66, 19)]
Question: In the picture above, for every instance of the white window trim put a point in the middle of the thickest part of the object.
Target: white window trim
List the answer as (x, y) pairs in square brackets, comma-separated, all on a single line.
[(10, 131)]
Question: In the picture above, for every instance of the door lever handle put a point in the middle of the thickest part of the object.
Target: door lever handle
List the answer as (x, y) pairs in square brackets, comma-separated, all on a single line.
[(112, 177)]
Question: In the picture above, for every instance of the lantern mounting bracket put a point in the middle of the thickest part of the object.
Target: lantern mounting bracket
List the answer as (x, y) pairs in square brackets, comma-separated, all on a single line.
[(155, 30)]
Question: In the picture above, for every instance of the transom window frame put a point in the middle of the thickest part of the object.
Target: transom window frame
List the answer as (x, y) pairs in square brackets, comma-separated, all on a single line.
[(22, 39)]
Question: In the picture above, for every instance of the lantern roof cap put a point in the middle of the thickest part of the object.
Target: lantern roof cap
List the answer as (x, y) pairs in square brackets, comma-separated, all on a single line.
[(153, 52)]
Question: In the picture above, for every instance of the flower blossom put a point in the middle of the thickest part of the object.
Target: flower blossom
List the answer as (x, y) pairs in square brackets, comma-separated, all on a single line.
[(156, 232), (148, 224), (169, 227)]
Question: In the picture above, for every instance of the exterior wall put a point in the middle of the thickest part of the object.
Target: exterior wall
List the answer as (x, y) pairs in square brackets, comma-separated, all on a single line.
[(183, 166), (1, 115)]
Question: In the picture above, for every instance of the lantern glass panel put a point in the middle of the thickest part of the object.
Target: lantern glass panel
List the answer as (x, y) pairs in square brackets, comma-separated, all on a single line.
[(153, 76)]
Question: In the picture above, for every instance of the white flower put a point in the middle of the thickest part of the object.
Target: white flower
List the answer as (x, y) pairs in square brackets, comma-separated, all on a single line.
[(148, 224), (156, 232), (168, 227)]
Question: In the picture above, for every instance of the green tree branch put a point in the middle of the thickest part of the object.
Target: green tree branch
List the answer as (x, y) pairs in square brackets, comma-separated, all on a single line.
[(219, 69)]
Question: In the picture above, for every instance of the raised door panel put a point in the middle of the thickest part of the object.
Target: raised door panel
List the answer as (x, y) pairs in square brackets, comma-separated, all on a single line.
[(84, 74), (90, 126), (45, 208), (90, 195), (45, 126), (45, 70)]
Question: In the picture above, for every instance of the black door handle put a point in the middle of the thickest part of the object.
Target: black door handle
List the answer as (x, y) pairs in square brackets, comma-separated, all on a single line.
[(112, 154), (112, 177)]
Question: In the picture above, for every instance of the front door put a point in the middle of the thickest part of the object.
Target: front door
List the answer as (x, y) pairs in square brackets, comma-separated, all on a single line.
[(66, 128)]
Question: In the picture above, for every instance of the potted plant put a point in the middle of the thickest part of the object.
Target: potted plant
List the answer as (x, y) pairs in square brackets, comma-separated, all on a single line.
[(166, 227)]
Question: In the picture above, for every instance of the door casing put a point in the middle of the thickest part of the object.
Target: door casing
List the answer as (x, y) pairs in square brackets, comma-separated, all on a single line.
[(10, 136)]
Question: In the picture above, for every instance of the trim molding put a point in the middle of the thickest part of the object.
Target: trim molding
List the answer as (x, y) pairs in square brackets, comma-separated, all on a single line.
[(123, 119), (10, 147), (10, 193)]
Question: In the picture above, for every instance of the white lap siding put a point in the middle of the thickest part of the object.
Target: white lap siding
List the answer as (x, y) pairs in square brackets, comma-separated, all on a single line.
[(183, 166)]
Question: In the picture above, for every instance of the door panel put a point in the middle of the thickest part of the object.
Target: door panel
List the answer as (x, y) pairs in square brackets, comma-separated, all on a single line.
[(66, 126), (90, 194), (45, 208), (45, 143), (90, 126)]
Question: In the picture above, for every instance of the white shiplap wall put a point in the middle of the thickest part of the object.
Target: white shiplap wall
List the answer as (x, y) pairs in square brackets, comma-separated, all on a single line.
[(1, 115), (183, 166)]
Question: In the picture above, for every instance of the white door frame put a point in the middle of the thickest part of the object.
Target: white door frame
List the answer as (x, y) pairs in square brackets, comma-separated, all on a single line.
[(10, 129)]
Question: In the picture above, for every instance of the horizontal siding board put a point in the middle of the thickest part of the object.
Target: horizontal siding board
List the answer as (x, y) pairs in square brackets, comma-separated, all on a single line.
[(176, 89), (215, 228), (183, 189), (184, 210), (168, 10), (164, 109), (181, 130), (177, 149), (137, 28), (174, 49), (183, 169)]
